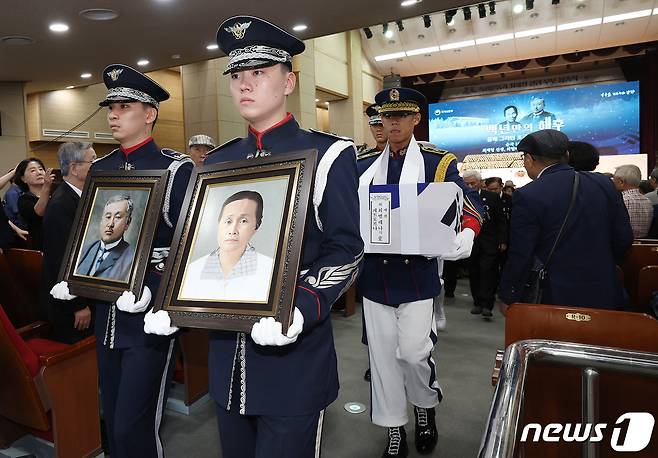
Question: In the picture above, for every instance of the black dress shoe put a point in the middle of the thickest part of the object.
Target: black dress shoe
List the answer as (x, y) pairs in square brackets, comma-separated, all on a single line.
[(476, 310), (426, 433), (366, 376), (397, 443), (487, 313)]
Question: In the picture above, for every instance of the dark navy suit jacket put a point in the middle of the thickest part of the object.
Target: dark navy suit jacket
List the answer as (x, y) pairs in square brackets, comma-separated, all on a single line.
[(300, 378), (597, 236)]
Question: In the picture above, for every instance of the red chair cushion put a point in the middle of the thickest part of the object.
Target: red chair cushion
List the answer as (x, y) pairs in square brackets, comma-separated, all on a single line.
[(28, 356), (44, 347)]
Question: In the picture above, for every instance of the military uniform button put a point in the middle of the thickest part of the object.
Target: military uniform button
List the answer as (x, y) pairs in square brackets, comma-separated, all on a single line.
[(385, 261), (406, 261)]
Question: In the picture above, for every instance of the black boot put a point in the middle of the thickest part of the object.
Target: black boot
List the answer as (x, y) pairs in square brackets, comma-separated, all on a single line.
[(397, 443), (426, 434)]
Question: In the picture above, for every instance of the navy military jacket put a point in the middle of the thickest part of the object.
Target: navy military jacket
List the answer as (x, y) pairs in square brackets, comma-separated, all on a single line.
[(301, 378), (397, 279), (113, 327), (582, 272)]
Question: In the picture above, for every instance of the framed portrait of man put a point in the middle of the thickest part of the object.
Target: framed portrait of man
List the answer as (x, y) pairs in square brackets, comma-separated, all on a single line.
[(235, 255), (109, 251)]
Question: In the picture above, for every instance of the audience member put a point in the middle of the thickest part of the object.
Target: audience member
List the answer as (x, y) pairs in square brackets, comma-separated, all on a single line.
[(653, 182), (598, 233), (495, 184), (70, 319), (10, 198), (583, 157), (198, 147), (35, 183), (645, 189), (640, 210), (7, 236), (483, 262), (509, 188)]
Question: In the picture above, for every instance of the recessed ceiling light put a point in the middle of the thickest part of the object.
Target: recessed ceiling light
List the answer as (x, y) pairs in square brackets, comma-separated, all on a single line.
[(394, 55), (99, 14), (70, 87), (326, 103), (317, 100), (85, 75), (212, 47), (626, 16), (518, 8), (175, 56), (58, 27), (300, 27), (410, 2), (460, 44), (142, 62)]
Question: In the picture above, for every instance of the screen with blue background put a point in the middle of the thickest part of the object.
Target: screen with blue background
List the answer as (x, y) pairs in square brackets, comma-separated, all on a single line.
[(605, 115)]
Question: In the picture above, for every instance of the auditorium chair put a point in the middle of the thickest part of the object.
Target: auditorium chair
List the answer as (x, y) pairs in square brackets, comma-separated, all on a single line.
[(49, 390), (19, 307), (26, 266), (640, 255), (553, 393)]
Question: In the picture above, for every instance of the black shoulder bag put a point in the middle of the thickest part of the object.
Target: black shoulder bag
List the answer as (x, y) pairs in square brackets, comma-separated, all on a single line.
[(534, 287)]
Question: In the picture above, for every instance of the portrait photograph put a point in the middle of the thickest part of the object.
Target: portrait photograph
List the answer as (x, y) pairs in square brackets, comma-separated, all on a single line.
[(234, 258), (116, 219)]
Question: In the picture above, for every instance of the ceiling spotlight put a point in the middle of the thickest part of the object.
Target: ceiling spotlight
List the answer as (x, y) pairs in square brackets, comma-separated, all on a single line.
[(388, 33), (400, 25), (555, 2), (492, 8), (58, 27), (300, 27), (142, 62), (368, 32), (410, 2), (529, 4), (467, 13), (482, 11), (317, 100), (85, 75), (427, 20), (450, 16), (518, 8), (212, 47)]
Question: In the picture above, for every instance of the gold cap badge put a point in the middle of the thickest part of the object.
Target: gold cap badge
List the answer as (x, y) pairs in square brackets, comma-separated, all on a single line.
[(238, 30), (114, 73), (394, 95)]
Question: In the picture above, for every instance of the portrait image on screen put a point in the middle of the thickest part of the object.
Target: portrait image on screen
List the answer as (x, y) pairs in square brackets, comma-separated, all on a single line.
[(605, 115)]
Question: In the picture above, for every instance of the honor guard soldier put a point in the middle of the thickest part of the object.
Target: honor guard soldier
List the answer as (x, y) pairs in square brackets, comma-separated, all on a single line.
[(271, 389), (135, 367), (398, 290), (379, 135)]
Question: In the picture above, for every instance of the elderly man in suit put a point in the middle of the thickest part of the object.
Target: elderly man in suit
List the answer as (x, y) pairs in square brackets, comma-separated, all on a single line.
[(111, 256), (71, 320), (596, 237)]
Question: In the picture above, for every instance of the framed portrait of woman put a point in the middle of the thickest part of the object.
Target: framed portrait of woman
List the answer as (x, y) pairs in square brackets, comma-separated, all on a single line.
[(235, 255), (108, 251)]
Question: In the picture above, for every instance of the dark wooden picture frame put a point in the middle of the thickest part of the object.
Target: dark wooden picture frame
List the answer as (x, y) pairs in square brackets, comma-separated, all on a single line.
[(150, 187), (293, 175)]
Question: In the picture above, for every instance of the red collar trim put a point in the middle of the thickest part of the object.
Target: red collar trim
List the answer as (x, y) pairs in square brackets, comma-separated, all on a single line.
[(259, 135), (127, 151)]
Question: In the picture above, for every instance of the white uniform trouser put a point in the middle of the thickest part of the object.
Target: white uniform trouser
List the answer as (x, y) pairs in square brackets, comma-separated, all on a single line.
[(400, 342)]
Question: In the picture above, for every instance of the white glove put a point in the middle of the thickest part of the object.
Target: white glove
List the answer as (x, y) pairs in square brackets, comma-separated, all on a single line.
[(126, 302), (464, 246), (268, 332), (61, 291), (158, 323)]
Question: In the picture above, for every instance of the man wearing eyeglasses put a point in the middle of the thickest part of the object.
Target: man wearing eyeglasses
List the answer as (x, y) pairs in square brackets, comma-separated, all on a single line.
[(70, 319)]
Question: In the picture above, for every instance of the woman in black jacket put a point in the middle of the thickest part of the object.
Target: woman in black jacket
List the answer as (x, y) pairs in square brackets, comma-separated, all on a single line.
[(36, 182)]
